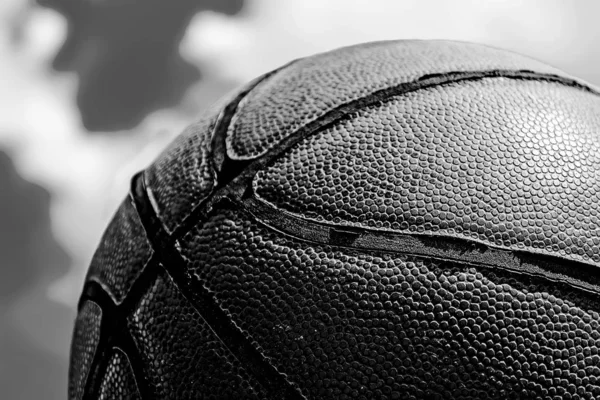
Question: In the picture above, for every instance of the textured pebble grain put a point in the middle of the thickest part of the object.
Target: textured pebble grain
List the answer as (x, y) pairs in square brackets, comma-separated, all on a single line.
[(86, 336), (507, 162), (119, 381), (345, 324), (182, 356), (309, 88)]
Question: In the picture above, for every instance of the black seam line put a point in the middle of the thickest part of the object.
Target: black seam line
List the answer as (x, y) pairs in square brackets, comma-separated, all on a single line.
[(580, 275), (96, 292), (113, 323), (241, 172), (218, 154), (126, 344), (217, 146), (274, 383), (554, 280), (104, 290), (90, 371)]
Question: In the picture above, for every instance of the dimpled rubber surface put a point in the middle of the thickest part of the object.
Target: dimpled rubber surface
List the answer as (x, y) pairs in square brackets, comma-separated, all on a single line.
[(85, 340), (182, 356), (119, 381), (183, 174), (511, 163), (310, 87), (122, 254), (352, 325)]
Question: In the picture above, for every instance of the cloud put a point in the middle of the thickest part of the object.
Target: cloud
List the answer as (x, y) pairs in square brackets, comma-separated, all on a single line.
[(268, 33)]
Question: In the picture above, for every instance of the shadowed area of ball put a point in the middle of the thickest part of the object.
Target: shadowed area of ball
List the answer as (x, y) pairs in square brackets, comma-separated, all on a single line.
[(405, 220)]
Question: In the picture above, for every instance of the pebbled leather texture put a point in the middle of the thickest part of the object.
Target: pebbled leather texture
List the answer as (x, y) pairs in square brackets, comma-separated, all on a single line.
[(348, 324), (83, 347), (183, 175), (409, 219), (119, 381), (320, 83), (506, 162), (123, 252), (182, 357)]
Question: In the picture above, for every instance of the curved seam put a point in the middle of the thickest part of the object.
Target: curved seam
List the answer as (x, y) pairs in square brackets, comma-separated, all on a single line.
[(265, 210), (443, 248), (446, 78), (94, 280), (246, 169), (522, 73), (130, 366), (162, 240), (112, 324), (91, 372), (109, 291), (386, 95), (126, 344), (218, 143), (225, 329)]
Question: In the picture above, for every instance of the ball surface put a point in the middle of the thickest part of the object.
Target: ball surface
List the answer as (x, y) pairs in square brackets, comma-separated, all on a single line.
[(402, 220)]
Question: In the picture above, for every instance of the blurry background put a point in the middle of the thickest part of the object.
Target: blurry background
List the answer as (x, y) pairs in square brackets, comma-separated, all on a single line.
[(92, 90)]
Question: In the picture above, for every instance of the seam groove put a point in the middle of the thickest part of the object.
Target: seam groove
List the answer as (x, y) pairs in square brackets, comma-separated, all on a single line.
[(578, 274), (112, 324), (127, 346), (234, 179), (274, 382), (242, 171), (568, 275), (224, 166)]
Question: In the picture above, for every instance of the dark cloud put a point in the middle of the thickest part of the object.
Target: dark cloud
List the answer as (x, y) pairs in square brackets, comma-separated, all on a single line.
[(125, 53), (30, 258)]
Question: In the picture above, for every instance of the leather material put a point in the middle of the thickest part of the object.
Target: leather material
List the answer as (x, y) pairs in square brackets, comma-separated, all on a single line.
[(309, 88), (122, 254), (182, 356), (506, 162), (118, 381), (391, 220), (183, 175), (345, 323), (86, 335)]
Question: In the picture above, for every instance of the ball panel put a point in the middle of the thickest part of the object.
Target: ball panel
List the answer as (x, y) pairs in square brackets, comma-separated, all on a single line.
[(183, 174), (183, 357), (309, 88), (119, 381), (343, 324), (83, 347), (122, 253), (508, 162)]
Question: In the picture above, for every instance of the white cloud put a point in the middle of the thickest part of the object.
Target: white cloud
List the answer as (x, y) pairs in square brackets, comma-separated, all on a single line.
[(269, 33)]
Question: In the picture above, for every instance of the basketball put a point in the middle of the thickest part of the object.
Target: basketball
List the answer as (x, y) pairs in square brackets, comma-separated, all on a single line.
[(391, 220)]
